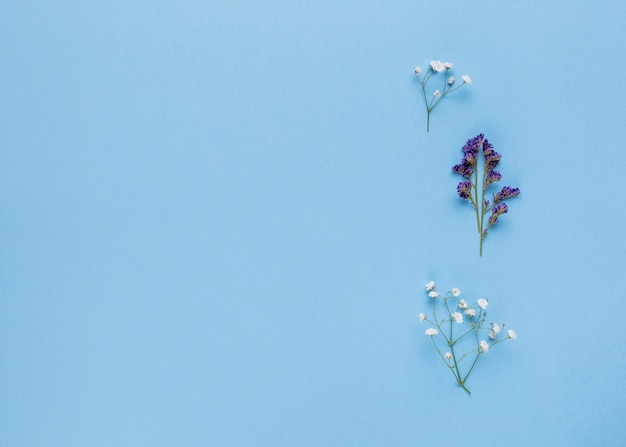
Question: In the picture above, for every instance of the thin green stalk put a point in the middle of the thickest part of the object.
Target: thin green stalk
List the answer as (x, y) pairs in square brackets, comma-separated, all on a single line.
[(463, 335), (482, 207), (458, 372), (462, 385), (476, 198), (476, 359), (470, 370), (464, 380)]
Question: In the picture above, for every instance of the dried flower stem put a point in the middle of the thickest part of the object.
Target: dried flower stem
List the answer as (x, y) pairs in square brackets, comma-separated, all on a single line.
[(468, 189)]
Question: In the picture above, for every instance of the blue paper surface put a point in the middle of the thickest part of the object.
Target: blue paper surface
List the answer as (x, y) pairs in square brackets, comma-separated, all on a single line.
[(217, 219)]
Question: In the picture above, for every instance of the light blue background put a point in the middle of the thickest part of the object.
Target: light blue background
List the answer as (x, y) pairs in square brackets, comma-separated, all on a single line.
[(217, 218)]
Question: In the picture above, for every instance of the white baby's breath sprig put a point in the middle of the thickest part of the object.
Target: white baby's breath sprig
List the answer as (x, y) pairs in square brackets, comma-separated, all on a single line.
[(449, 85), (462, 334)]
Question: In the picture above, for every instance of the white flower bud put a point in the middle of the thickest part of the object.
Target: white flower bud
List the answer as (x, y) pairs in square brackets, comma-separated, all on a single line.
[(437, 66), (470, 313)]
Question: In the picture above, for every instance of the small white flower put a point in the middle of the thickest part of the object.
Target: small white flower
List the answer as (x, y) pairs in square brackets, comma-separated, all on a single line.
[(470, 313), (430, 285), (448, 65), (431, 331), (495, 328), (418, 70), (457, 317), (447, 355), (484, 346), (512, 334), (433, 294), (456, 292), (436, 93), (437, 66), (466, 79), (451, 80), (483, 303), (462, 303), (422, 317), (492, 335)]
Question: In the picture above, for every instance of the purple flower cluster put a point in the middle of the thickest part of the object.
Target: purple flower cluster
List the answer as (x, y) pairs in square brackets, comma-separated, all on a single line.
[(497, 211), (473, 144), (470, 157), (492, 177), (506, 193), (470, 189), (465, 190), (492, 158), (465, 170)]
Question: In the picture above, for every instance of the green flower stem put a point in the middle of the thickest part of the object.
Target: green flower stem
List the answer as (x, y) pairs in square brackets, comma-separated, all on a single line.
[(477, 355), (475, 185), (455, 372), (470, 370), (462, 384), (451, 343), (482, 207), (463, 335)]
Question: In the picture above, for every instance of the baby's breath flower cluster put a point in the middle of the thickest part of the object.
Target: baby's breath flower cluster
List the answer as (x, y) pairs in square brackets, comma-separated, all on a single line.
[(449, 85), (458, 321), (469, 188)]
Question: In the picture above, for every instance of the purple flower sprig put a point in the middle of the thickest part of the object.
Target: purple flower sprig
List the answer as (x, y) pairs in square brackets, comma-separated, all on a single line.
[(469, 188), (449, 85)]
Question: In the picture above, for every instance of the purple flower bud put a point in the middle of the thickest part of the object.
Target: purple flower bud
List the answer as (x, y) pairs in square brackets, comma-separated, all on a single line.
[(492, 161), (491, 177), (497, 210), (464, 189), (487, 148), (463, 169), (470, 158), (506, 193), (474, 143)]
